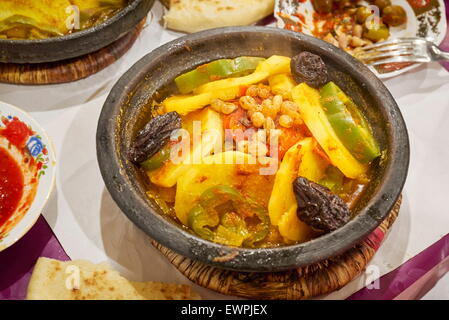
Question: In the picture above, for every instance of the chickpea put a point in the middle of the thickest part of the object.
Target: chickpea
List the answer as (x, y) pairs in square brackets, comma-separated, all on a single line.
[(217, 104), (357, 42), (289, 106), (357, 31), (264, 92), (292, 110), (253, 109), (268, 109), (285, 121), (258, 119), (269, 125), (266, 104), (277, 102), (343, 40), (228, 108), (252, 91), (248, 102)]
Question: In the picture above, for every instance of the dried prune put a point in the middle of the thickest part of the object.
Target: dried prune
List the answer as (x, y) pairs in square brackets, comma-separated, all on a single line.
[(309, 68), (154, 136), (318, 207)]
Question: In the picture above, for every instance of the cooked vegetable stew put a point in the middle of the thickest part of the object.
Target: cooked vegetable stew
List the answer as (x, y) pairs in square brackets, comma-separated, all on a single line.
[(40, 19), (257, 152)]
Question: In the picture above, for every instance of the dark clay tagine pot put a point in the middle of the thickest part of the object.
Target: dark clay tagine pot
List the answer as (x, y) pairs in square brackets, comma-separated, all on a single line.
[(77, 43), (127, 105)]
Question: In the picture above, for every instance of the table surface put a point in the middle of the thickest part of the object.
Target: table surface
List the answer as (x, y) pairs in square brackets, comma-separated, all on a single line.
[(89, 225)]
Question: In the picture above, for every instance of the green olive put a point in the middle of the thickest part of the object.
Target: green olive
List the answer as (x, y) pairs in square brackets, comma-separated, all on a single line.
[(381, 32), (394, 15), (322, 6), (382, 3), (362, 14)]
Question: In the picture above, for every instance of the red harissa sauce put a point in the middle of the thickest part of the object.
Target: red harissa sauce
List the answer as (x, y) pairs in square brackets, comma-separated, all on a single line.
[(11, 185)]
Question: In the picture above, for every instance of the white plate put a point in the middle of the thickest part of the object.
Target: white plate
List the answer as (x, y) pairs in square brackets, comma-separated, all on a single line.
[(39, 147), (425, 18)]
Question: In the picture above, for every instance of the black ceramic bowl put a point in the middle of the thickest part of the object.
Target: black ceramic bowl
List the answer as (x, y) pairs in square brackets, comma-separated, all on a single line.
[(78, 43), (127, 106)]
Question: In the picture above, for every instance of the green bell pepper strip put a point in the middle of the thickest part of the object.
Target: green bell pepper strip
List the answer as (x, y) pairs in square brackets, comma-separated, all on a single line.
[(348, 123), (215, 70), (199, 220), (230, 228), (333, 179), (157, 160)]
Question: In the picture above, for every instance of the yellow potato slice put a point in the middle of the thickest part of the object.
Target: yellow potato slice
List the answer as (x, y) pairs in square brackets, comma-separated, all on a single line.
[(210, 126), (275, 65), (314, 117), (282, 84), (282, 205), (231, 168)]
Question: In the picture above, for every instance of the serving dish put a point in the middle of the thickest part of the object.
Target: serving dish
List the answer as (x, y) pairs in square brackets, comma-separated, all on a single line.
[(78, 43), (29, 149), (425, 19), (128, 104)]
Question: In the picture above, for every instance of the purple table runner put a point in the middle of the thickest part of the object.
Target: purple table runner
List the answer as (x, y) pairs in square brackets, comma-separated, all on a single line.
[(17, 262), (405, 282)]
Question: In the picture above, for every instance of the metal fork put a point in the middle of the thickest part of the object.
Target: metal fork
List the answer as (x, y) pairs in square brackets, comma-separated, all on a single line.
[(401, 50)]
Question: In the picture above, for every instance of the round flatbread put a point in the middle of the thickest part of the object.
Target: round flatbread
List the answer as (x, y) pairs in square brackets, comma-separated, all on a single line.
[(193, 15), (83, 280)]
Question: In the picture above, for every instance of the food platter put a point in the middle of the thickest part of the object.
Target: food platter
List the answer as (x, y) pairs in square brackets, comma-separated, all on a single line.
[(425, 19), (30, 149)]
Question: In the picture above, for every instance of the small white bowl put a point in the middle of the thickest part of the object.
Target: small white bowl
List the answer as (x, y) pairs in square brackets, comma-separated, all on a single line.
[(40, 149)]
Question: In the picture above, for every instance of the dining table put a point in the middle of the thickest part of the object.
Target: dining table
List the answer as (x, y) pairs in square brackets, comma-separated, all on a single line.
[(82, 221)]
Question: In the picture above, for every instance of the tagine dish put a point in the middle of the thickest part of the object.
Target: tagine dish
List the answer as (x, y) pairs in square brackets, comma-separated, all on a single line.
[(40, 19), (255, 152)]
